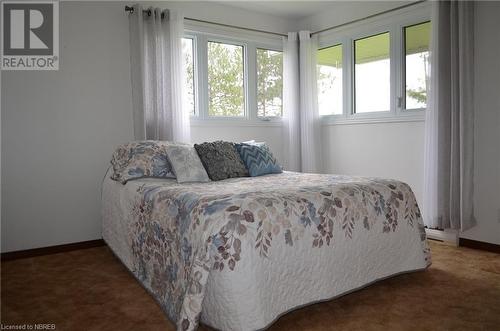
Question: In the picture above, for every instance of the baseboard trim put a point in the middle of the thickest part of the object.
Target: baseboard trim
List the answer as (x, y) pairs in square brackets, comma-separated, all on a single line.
[(51, 250), (484, 246), (463, 242)]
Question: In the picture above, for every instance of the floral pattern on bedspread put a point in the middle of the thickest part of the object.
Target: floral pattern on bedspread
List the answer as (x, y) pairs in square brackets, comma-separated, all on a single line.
[(182, 233)]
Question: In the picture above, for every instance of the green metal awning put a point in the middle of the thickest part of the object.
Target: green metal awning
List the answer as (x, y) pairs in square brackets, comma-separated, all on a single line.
[(418, 38), (331, 56)]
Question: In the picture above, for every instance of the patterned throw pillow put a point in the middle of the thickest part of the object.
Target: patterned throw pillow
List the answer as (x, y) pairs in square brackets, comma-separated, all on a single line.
[(139, 159), (186, 164), (221, 160), (258, 159)]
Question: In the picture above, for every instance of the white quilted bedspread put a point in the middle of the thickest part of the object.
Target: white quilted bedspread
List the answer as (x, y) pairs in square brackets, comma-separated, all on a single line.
[(239, 253)]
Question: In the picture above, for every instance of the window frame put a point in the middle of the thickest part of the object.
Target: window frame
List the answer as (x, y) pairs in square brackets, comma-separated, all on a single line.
[(394, 23), (203, 33)]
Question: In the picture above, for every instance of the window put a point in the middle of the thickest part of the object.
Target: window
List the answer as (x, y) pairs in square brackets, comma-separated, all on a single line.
[(416, 39), (269, 83), (372, 74), (187, 54), (329, 76), (230, 76), (226, 81), (376, 70)]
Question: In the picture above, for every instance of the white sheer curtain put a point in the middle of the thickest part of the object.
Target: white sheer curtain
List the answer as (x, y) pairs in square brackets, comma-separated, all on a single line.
[(310, 134), (291, 116), (300, 104), (449, 126), (157, 75)]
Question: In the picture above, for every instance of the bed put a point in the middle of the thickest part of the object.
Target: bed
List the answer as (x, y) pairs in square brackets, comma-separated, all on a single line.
[(237, 254)]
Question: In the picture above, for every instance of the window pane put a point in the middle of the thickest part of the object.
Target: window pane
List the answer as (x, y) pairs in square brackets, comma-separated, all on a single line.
[(372, 74), (417, 64), (269, 83), (330, 80), (188, 97), (225, 80)]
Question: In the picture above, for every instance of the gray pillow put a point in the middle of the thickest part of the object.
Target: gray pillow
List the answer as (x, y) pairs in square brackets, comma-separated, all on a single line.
[(186, 164), (221, 160)]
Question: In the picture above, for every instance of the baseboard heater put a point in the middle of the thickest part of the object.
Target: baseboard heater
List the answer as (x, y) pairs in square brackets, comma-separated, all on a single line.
[(448, 236)]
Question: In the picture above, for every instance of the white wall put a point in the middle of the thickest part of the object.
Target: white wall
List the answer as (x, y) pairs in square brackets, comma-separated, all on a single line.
[(344, 12), (389, 150), (218, 12), (59, 128), (487, 128)]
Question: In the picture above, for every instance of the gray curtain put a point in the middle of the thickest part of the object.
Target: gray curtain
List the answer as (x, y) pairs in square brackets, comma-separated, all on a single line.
[(157, 75), (449, 131)]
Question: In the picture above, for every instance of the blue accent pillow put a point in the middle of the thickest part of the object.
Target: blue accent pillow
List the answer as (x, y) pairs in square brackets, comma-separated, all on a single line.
[(258, 159)]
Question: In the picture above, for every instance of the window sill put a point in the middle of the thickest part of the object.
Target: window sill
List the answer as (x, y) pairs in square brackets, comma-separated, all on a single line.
[(336, 120), (235, 122)]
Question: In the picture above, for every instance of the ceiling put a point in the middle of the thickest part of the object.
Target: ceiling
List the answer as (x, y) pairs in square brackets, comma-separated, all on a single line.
[(285, 9)]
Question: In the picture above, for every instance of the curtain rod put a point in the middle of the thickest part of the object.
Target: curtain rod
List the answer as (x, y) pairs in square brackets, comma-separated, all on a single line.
[(367, 17), (131, 9)]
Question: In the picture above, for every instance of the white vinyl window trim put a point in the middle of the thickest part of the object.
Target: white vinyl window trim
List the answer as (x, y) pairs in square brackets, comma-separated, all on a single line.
[(394, 23), (202, 34)]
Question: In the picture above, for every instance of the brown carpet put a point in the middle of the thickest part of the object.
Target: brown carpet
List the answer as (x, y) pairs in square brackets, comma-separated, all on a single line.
[(91, 290)]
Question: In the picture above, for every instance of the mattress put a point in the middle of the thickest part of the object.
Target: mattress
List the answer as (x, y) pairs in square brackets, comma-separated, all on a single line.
[(237, 254)]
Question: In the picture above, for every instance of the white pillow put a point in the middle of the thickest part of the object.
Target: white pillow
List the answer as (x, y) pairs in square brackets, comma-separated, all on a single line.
[(186, 164), (253, 142)]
